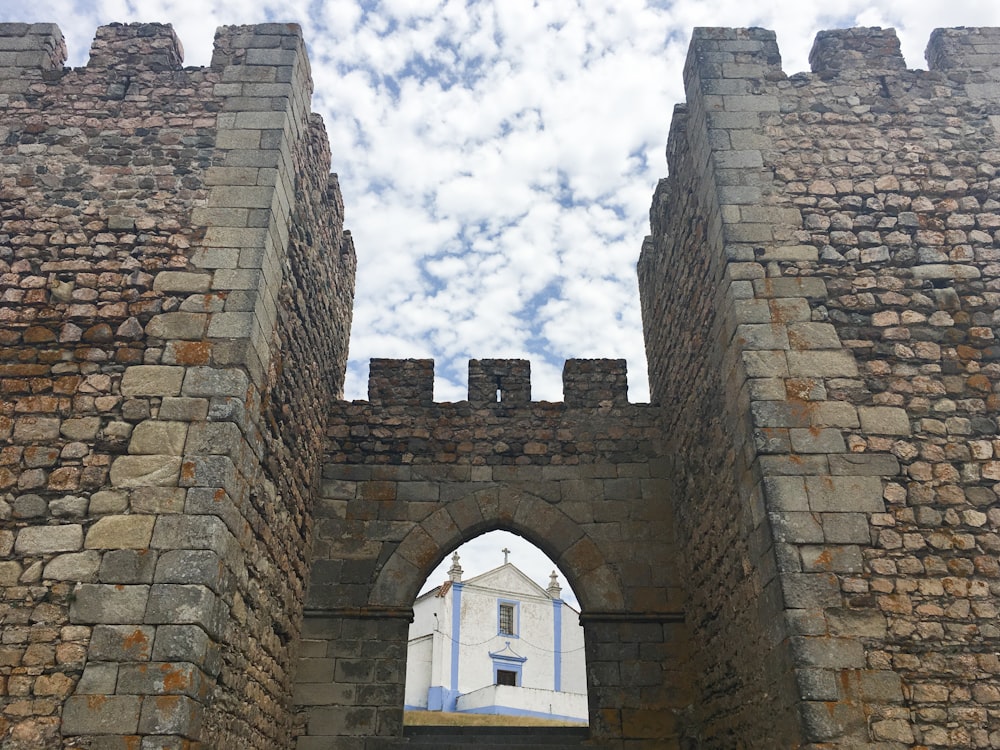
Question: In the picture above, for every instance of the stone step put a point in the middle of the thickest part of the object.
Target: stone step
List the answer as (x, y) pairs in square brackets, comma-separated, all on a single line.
[(490, 738)]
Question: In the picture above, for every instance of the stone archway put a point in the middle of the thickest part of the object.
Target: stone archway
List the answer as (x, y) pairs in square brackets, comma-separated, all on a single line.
[(506, 508), (407, 480)]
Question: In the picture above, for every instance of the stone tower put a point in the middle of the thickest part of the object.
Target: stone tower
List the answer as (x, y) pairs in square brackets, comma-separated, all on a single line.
[(820, 297), (795, 545), (176, 295)]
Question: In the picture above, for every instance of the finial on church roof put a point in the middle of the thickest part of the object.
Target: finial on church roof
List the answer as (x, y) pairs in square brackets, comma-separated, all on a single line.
[(455, 571), (554, 590), (506, 553)]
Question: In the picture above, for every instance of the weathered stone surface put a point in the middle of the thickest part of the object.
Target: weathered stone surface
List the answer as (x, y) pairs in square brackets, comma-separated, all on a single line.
[(152, 380), (158, 437), (101, 603), (73, 566), (121, 532), (40, 540), (143, 471)]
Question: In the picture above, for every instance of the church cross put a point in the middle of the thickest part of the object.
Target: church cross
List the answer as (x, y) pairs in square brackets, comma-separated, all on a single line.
[(505, 553)]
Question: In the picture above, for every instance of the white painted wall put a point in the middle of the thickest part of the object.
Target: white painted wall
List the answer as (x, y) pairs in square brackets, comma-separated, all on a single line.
[(525, 702)]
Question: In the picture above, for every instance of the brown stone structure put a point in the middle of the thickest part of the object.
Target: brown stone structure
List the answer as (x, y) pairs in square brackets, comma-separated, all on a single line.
[(820, 304), (175, 282), (794, 545)]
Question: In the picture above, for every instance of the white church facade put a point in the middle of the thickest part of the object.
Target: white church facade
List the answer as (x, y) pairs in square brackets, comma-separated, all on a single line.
[(496, 644)]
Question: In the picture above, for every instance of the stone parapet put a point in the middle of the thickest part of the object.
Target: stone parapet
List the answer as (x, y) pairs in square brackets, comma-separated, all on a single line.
[(500, 382)]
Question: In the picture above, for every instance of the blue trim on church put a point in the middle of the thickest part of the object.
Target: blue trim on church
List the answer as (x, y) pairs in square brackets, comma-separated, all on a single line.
[(557, 644), (456, 638)]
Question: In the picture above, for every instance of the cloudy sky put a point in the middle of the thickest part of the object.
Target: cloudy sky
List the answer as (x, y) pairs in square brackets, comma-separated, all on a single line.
[(497, 158)]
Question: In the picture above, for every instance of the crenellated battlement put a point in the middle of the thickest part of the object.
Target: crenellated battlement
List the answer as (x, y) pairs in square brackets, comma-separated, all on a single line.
[(136, 46), (971, 49), (733, 53), (868, 49), (26, 51), (587, 383)]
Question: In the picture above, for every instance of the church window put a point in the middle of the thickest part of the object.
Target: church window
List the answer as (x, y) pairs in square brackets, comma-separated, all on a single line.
[(508, 618)]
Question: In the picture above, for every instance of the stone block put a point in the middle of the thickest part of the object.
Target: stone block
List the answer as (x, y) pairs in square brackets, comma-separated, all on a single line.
[(840, 558), (140, 471), (865, 464), (809, 591), (215, 438), (104, 603), (181, 281), (171, 714), (178, 325), (158, 500), (817, 440), (178, 604), (208, 471), (845, 494), (43, 540), (824, 722), (190, 532), (856, 623), (34, 429), (765, 364), (98, 679), (161, 678), (817, 684), (884, 420), (106, 714), (210, 381), (342, 721), (846, 528), (881, 686), (793, 465), (127, 566), (122, 643), (183, 409), (796, 527), (108, 501), (10, 573), (158, 437), (121, 532), (804, 286), (68, 506), (822, 363), (813, 336), (192, 566), (152, 380), (82, 428), (73, 566), (828, 653), (184, 643), (761, 336)]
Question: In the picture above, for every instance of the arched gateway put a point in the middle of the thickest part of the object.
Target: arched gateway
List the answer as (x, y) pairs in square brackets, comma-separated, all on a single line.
[(407, 480)]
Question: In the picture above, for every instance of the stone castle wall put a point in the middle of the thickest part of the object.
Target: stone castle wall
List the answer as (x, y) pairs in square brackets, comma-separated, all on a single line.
[(796, 544), (850, 219), (174, 284)]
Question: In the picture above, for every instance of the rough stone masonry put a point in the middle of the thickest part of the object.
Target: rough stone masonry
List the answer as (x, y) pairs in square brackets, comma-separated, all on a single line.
[(794, 545)]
